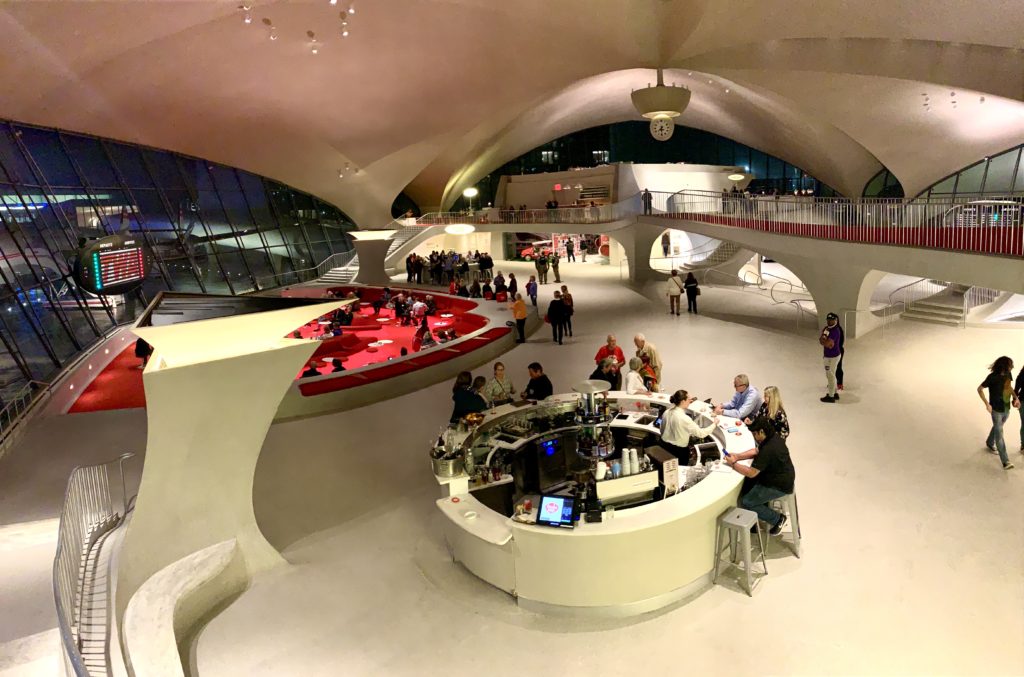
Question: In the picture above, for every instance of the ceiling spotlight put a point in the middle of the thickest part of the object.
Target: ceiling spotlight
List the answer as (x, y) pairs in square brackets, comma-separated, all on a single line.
[(952, 93), (248, 18), (709, 82), (726, 90), (341, 174), (344, 33), (981, 99), (334, 2), (351, 9), (314, 48), (273, 35), (344, 22)]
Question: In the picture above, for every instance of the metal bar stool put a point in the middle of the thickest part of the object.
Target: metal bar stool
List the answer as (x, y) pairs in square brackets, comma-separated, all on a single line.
[(787, 505), (735, 524)]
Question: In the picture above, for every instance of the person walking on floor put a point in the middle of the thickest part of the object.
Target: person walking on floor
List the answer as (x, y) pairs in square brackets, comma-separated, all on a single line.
[(674, 289), (569, 309), (692, 292), (553, 261), (1018, 390), (531, 290), (666, 242), (519, 314), (831, 341), (1001, 398), (647, 199), (556, 316), (570, 249)]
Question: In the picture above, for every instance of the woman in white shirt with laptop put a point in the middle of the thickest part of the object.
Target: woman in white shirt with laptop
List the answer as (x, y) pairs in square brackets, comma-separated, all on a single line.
[(677, 428)]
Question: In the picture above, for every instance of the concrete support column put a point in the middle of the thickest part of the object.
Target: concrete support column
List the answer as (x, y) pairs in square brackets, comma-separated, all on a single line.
[(637, 241), (841, 289), (212, 390), (371, 254)]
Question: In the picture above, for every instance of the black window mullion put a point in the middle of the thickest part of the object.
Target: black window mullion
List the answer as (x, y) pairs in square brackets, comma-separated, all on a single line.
[(231, 224), (146, 237), (280, 225), (177, 226), (86, 190), (194, 194)]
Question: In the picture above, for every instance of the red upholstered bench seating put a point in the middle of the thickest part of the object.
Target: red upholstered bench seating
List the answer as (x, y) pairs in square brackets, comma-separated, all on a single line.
[(397, 368)]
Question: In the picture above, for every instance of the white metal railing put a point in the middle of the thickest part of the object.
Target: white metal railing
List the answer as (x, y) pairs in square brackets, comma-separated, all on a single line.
[(888, 315), (295, 276), (689, 257), (985, 227), (990, 226), (95, 502)]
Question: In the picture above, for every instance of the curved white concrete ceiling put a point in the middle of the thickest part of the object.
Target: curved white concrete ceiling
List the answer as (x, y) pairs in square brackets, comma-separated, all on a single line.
[(432, 94)]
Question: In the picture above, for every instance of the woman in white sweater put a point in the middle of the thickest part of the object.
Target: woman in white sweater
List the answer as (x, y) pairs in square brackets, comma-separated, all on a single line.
[(634, 382), (677, 428)]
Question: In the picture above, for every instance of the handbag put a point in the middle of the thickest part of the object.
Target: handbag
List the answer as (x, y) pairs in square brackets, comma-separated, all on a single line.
[(547, 319), (698, 292)]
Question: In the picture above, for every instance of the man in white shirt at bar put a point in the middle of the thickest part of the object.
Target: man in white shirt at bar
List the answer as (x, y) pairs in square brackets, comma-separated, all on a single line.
[(745, 401)]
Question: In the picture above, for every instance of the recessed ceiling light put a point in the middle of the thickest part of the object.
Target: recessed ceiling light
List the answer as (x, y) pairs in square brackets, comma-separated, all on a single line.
[(351, 9), (344, 33)]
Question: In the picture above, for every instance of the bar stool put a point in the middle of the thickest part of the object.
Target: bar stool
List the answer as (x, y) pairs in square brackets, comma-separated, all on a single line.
[(734, 524), (787, 505)]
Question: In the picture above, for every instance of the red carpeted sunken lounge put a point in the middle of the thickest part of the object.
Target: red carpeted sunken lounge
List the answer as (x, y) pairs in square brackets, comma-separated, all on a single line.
[(370, 349)]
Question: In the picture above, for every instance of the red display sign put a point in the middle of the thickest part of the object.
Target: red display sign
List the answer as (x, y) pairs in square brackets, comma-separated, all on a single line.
[(117, 266)]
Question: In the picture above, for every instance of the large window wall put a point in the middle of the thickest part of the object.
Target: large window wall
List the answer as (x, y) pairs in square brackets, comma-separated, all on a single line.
[(1000, 175), (632, 142), (206, 228)]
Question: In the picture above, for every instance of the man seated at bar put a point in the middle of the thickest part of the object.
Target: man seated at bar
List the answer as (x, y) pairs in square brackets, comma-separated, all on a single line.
[(678, 430), (745, 401), (603, 372), (769, 477), (539, 387)]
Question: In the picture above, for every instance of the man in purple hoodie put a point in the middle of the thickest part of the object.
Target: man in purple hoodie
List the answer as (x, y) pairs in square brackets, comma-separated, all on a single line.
[(831, 340)]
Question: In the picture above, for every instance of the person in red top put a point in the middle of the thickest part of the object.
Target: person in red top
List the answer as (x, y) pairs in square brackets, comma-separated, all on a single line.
[(611, 349)]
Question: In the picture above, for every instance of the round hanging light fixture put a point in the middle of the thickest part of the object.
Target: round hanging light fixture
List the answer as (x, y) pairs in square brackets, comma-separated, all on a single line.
[(660, 104), (470, 192), (736, 177), (459, 229)]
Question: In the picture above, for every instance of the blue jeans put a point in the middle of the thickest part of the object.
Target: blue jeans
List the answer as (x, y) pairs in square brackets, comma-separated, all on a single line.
[(995, 436), (758, 498)]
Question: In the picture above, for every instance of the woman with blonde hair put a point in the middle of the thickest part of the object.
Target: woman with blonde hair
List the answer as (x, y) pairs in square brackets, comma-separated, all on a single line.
[(773, 410)]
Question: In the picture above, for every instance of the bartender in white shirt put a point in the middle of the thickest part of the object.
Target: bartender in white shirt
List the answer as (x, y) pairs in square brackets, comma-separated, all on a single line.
[(677, 427)]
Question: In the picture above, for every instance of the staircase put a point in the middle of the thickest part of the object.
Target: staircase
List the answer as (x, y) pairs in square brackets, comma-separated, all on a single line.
[(946, 307), (345, 274), (723, 253)]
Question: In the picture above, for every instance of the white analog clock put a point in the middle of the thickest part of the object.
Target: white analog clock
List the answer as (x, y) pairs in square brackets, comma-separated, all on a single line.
[(662, 128)]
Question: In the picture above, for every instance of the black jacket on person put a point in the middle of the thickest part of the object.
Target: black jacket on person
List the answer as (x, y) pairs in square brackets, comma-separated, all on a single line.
[(539, 388), (557, 312), (608, 377), (774, 466), (466, 402)]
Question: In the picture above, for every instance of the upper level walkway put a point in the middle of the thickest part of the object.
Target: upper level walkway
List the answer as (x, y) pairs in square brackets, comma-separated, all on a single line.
[(993, 227)]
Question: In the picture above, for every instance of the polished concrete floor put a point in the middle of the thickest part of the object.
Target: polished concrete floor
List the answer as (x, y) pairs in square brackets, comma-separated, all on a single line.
[(913, 545)]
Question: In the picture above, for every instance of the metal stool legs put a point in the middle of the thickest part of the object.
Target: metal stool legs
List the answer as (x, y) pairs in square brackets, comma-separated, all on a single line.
[(735, 525), (788, 506)]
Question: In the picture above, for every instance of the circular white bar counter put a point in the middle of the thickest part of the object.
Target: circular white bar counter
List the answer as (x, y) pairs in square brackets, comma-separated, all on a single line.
[(638, 560)]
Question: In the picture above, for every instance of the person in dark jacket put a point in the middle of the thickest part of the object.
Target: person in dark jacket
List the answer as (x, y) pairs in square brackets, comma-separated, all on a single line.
[(769, 477), (692, 289), (465, 399), (539, 387), (557, 313), (604, 372)]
